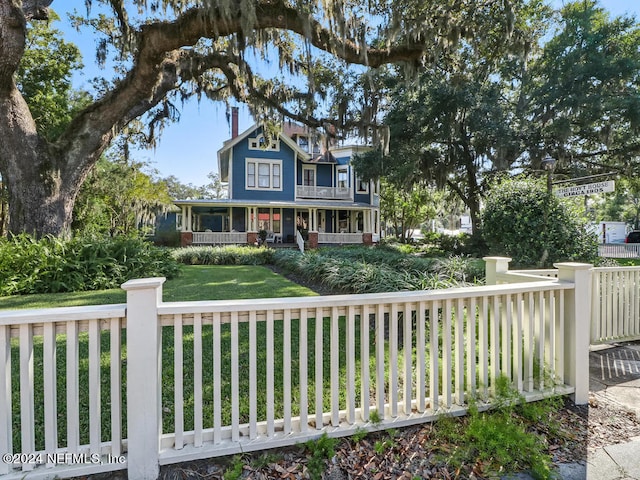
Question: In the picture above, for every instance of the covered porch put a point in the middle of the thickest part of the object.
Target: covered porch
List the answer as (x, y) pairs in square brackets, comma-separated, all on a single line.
[(229, 222)]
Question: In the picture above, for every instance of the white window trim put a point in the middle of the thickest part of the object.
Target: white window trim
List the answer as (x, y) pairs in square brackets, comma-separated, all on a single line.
[(315, 174), (254, 144), (271, 163), (366, 189), (342, 168)]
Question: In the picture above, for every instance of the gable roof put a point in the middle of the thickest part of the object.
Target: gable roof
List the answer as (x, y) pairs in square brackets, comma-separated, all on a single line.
[(225, 152)]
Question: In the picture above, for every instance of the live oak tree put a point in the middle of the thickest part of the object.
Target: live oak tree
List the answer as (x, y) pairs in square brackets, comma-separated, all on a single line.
[(461, 117), (170, 50), (584, 93)]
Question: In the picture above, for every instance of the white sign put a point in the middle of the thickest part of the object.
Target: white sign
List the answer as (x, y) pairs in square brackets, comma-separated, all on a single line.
[(588, 189)]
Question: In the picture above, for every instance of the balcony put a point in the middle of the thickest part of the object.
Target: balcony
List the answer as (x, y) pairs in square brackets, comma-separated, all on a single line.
[(324, 193)]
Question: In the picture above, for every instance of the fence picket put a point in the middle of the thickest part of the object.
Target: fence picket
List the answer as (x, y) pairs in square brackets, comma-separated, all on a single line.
[(95, 421), (73, 410), (380, 364), (447, 363), (271, 365), (434, 355), (365, 398), (178, 379), (319, 377), (217, 379), (253, 376), (408, 351), (6, 428), (351, 364), (459, 352), (421, 354), (197, 380), (304, 383), (286, 370), (393, 361), (50, 390), (335, 368), (27, 421), (115, 349)]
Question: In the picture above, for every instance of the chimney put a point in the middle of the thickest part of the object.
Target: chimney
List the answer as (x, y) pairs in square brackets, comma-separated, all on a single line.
[(234, 122)]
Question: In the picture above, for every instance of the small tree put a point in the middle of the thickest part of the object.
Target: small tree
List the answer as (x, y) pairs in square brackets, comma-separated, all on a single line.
[(524, 221)]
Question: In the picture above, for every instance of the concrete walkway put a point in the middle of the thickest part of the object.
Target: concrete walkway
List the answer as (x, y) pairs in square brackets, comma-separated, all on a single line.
[(614, 377)]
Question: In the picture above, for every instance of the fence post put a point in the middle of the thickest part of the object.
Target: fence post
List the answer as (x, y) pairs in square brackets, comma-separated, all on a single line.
[(577, 324), (493, 266), (144, 337)]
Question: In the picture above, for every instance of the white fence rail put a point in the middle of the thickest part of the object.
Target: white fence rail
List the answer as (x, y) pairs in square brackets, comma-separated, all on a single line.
[(619, 250), (205, 379), (615, 297), (53, 364), (616, 304)]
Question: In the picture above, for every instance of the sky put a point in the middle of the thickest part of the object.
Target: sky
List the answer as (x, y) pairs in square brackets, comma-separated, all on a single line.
[(188, 149)]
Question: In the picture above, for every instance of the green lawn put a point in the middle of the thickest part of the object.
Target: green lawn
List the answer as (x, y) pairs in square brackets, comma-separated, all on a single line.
[(198, 282), (628, 262)]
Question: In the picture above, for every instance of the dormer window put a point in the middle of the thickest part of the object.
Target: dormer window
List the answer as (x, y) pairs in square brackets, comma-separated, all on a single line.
[(303, 143), (260, 143)]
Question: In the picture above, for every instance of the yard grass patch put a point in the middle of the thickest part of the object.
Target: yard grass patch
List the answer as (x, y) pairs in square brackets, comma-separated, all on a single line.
[(198, 282)]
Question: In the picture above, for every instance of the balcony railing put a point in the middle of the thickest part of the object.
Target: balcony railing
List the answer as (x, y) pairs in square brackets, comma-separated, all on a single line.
[(324, 193)]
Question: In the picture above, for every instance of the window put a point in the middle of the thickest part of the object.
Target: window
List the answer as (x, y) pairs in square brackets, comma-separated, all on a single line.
[(264, 174), (308, 176), (343, 178), (362, 186), (303, 142), (269, 219)]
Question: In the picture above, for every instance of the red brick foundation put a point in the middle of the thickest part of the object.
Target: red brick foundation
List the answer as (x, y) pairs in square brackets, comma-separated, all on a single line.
[(252, 238), (313, 240), (367, 238), (186, 239)]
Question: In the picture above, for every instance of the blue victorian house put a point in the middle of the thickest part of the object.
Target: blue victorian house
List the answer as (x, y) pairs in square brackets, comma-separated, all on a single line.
[(288, 187)]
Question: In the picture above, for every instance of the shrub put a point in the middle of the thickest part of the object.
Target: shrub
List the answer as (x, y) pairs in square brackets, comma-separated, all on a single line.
[(223, 255), (52, 265), (370, 269), (524, 221)]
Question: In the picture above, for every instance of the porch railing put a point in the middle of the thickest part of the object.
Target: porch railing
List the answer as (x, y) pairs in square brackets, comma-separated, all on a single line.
[(219, 238), (339, 238), (324, 193)]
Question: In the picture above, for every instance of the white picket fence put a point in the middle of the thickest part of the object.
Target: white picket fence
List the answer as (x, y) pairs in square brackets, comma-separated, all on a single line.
[(205, 379), (619, 250), (615, 297)]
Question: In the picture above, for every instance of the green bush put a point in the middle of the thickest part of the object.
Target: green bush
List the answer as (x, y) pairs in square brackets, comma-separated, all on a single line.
[(534, 227), (230, 255), (52, 265), (371, 269)]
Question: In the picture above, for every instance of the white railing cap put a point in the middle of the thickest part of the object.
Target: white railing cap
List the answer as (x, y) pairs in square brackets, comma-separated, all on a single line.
[(142, 283)]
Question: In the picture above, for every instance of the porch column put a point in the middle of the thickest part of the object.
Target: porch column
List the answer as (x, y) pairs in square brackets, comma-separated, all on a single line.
[(183, 224), (189, 219), (313, 220), (366, 220)]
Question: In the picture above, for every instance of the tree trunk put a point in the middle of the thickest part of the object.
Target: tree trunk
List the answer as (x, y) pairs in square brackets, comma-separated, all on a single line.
[(40, 208)]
